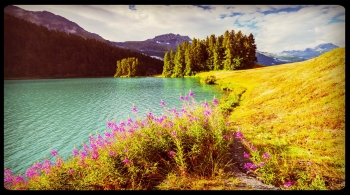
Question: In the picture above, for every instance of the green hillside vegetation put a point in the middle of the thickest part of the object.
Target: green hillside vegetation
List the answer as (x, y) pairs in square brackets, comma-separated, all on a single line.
[(32, 51), (296, 112)]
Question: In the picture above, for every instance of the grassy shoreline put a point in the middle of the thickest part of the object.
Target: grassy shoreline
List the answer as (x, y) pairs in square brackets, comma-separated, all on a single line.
[(291, 118)]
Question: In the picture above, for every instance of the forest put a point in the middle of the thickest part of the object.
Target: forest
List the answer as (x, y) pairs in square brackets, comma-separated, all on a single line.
[(32, 51), (229, 51)]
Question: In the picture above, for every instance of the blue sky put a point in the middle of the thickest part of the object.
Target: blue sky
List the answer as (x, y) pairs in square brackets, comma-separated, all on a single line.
[(275, 27)]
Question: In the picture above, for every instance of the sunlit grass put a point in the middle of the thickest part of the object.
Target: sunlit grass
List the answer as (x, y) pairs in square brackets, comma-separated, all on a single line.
[(297, 112), (290, 117)]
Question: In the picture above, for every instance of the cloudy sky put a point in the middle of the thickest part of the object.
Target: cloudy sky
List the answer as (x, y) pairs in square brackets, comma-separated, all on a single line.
[(275, 27)]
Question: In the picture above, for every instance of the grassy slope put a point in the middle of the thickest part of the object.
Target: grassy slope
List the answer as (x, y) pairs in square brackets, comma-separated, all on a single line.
[(296, 110)]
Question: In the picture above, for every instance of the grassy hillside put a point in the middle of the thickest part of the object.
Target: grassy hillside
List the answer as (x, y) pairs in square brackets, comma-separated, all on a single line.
[(296, 111)]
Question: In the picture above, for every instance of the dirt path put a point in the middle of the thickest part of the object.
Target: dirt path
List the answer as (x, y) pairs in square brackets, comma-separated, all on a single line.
[(248, 181)]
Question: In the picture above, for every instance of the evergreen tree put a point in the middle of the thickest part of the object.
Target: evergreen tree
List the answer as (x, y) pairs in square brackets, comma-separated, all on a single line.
[(189, 58), (178, 63), (218, 54), (167, 68)]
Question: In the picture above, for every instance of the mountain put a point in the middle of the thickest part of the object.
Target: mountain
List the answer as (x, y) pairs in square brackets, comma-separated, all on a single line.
[(32, 51), (52, 22), (157, 46), (309, 53)]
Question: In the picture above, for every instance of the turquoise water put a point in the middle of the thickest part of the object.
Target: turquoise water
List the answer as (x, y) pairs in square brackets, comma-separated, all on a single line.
[(61, 113)]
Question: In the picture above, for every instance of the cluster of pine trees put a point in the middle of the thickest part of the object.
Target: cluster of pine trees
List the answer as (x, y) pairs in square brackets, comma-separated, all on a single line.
[(229, 51), (32, 51), (128, 67)]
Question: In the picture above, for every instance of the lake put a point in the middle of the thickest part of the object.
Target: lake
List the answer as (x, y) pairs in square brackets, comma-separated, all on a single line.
[(61, 113)]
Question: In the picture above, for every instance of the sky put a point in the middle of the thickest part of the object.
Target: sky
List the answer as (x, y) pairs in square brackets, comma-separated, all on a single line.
[(276, 28)]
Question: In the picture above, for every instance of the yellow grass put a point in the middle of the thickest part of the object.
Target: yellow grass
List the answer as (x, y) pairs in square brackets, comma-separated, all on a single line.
[(297, 110)]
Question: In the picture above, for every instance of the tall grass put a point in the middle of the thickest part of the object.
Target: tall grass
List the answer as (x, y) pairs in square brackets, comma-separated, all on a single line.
[(144, 153), (296, 113)]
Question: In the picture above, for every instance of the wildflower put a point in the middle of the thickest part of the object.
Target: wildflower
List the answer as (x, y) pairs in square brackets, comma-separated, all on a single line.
[(215, 101), (75, 151), (126, 161), (134, 109), (112, 153), (233, 134), (309, 163), (83, 154), (110, 125), (288, 184), (190, 94), (181, 97), (172, 153), (126, 150), (253, 167), (174, 133), (94, 155), (162, 103), (262, 164), (246, 155), (8, 179), (8, 172), (247, 165), (159, 132), (228, 124), (266, 155), (107, 134), (58, 163), (239, 134), (86, 148), (206, 104), (70, 171), (186, 98), (54, 152), (47, 163), (313, 175), (225, 137), (253, 148)]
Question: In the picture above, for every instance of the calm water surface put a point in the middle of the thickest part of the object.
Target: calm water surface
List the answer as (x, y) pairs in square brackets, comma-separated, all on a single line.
[(61, 113)]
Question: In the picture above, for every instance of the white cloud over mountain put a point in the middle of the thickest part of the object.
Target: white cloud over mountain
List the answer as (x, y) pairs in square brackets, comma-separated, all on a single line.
[(275, 27)]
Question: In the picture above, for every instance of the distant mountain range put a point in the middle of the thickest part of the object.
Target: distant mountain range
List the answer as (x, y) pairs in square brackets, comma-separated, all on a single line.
[(157, 46)]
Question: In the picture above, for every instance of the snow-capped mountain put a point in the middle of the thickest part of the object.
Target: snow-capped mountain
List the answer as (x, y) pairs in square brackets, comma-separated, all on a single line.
[(309, 53)]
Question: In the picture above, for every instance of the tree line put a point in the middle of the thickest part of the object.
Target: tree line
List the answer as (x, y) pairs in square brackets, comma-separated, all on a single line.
[(229, 51), (128, 67), (34, 51)]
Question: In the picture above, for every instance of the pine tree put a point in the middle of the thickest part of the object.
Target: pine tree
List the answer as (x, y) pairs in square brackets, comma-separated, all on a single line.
[(178, 63), (218, 54), (167, 68), (189, 58)]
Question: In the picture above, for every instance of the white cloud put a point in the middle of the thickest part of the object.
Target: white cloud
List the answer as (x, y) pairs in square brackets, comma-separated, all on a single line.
[(273, 32)]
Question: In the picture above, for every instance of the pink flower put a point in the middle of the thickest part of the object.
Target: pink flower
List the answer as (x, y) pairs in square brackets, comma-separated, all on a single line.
[(54, 152), (266, 155), (309, 163), (70, 171), (262, 164), (112, 153), (239, 134), (215, 101), (288, 184), (172, 153), (162, 103), (190, 94), (174, 133), (126, 161), (134, 109), (253, 148), (246, 155), (226, 137)]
